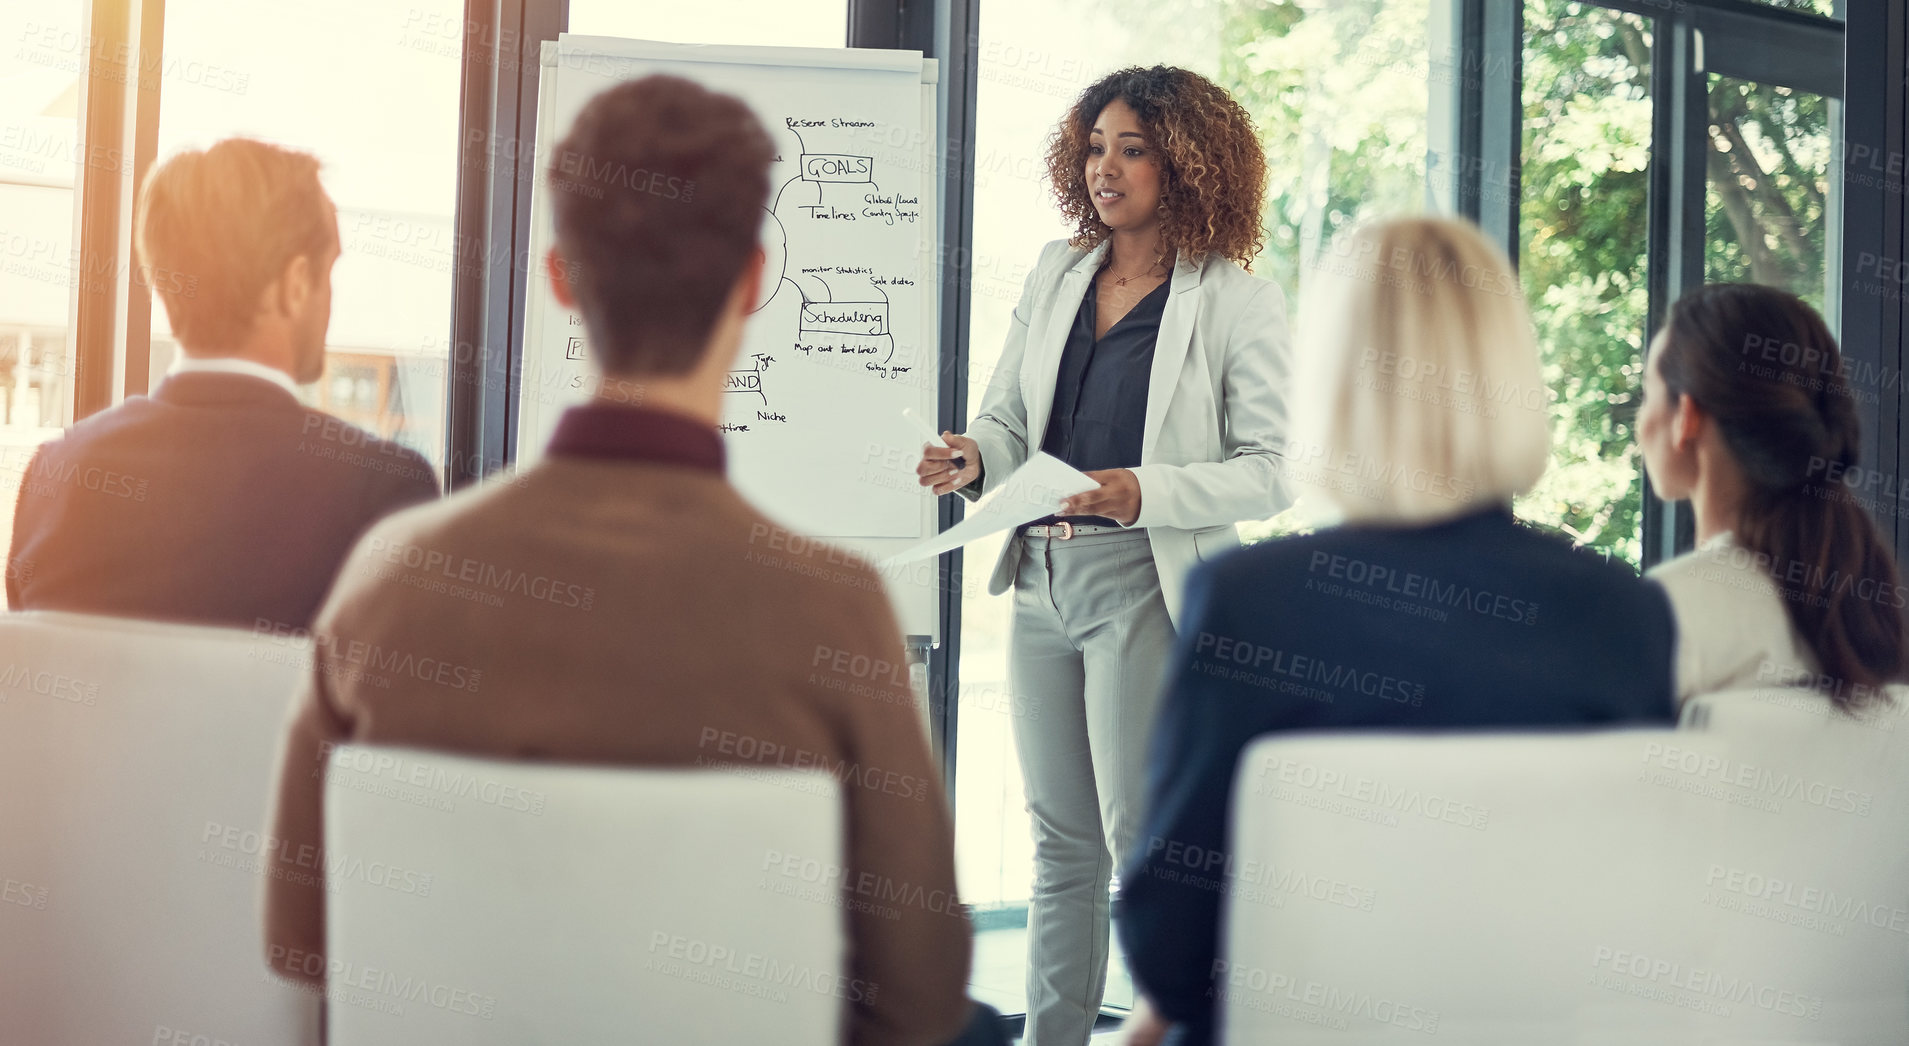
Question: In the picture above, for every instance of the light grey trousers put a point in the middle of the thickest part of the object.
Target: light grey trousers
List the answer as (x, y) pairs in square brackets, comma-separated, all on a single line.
[(1087, 653)]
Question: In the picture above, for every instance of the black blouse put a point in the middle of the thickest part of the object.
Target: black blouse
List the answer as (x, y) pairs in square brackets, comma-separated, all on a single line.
[(1100, 393)]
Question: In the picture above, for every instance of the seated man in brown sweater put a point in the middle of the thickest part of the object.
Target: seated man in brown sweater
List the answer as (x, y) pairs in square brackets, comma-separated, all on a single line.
[(619, 601)]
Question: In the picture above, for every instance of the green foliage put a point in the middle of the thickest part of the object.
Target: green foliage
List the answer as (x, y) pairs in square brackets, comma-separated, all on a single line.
[(1338, 90), (1584, 244), (1584, 191), (1764, 212)]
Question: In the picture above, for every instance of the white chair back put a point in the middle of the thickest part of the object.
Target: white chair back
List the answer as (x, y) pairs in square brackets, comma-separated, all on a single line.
[(1811, 882), (1801, 727), (488, 902), (135, 770), (1629, 887)]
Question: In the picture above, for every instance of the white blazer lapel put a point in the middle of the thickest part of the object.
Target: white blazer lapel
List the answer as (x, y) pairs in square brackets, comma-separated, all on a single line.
[(1169, 350), (1042, 363)]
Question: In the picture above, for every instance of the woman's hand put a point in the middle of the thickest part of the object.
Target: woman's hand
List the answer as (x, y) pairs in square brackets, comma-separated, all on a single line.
[(1117, 497), (1143, 1026), (937, 471)]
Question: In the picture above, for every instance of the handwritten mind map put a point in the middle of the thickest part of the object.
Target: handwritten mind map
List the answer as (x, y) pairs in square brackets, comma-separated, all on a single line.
[(842, 334), (830, 324), (832, 350), (844, 320)]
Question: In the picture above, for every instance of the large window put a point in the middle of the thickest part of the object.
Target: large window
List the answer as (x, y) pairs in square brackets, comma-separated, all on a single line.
[(307, 76), (43, 55), (298, 74), (1339, 93), (1584, 189), (1762, 167), (1768, 179)]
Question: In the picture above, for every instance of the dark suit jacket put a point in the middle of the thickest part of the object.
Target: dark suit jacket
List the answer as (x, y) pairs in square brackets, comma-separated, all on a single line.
[(1476, 623), (219, 499)]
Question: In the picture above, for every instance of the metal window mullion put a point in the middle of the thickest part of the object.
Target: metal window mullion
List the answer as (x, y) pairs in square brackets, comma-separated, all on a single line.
[(1805, 55), (502, 39), (876, 23), (1479, 115), (137, 361), (1445, 106), (541, 20), (1875, 226), (1680, 127), (467, 373), (1498, 138), (945, 30), (1776, 19), (103, 205)]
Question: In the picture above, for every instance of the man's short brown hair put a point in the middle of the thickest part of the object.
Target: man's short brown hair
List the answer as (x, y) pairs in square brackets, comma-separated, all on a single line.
[(659, 191), (217, 226)]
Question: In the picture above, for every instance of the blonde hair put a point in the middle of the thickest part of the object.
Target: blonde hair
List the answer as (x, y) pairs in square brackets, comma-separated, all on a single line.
[(216, 226), (1419, 395)]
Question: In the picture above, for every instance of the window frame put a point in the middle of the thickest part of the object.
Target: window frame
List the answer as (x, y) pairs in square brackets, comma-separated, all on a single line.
[(1691, 40), (1875, 223), (110, 319), (503, 40), (947, 31)]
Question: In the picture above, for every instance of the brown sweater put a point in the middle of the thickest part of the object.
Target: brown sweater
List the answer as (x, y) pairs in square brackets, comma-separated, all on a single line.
[(616, 611)]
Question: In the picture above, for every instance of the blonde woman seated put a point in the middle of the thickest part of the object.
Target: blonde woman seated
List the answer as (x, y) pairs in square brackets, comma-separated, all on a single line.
[(1748, 415), (1431, 607)]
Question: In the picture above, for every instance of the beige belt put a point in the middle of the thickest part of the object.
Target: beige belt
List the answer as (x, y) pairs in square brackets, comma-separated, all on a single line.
[(1066, 530)]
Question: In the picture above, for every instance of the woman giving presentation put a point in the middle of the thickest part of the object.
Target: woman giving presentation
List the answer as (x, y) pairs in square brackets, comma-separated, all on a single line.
[(1142, 353)]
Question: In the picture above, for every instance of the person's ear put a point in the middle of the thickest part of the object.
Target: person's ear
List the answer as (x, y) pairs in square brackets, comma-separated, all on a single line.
[(295, 286), (749, 285), (1686, 423), (560, 287)]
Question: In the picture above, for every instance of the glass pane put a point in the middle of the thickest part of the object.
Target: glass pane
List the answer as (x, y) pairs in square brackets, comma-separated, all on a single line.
[(1339, 92), (1768, 191), (1584, 186), (40, 74), (393, 177), (779, 23)]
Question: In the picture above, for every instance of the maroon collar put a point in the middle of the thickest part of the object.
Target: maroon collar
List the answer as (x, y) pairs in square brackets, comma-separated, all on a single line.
[(607, 431)]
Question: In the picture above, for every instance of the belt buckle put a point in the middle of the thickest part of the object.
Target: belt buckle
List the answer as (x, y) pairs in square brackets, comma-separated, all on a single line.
[(1067, 530)]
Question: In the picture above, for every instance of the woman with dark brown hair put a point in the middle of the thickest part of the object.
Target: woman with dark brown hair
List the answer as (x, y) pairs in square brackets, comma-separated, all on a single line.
[(1143, 353), (1749, 414)]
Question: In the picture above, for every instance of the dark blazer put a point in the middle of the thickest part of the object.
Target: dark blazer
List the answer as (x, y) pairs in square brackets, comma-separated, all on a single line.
[(219, 499), (1475, 623)]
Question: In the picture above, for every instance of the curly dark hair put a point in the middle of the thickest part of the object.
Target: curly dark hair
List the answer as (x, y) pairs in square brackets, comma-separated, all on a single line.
[(1214, 173)]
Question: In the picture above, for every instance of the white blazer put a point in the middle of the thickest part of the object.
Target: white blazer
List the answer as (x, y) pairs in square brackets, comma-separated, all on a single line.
[(1732, 630), (1216, 405)]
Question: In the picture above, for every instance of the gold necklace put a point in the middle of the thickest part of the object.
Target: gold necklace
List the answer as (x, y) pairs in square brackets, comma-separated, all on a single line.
[(1122, 281)]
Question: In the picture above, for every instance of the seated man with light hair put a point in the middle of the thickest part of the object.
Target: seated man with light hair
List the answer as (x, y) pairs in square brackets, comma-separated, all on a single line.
[(1423, 415), (220, 499)]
